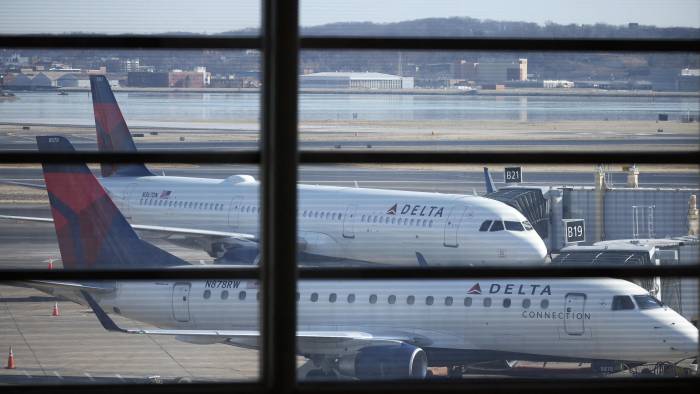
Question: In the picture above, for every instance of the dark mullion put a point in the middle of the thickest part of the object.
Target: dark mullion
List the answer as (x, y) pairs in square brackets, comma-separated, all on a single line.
[(652, 385), (500, 157), (549, 271), (278, 194), (351, 43), (357, 156), (185, 157), (500, 44), (352, 273), (128, 42)]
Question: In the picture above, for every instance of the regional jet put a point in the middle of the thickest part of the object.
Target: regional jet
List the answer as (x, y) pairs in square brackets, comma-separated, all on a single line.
[(359, 329), (358, 225)]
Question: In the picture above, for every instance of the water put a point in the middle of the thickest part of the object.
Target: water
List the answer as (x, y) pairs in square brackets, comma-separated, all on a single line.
[(220, 110)]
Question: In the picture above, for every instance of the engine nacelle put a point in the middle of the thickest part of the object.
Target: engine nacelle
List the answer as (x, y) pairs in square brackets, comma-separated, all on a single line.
[(402, 361), (236, 254)]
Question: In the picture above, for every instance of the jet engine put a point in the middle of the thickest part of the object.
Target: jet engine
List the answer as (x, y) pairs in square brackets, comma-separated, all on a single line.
[(236, 254), (402, 361)]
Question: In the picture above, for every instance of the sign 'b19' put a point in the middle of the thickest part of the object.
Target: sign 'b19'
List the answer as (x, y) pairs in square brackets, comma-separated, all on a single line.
[(574, 230)]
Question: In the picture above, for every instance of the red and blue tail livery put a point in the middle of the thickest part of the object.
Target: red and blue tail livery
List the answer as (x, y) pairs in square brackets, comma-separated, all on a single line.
[(91, 231), (113, 134)]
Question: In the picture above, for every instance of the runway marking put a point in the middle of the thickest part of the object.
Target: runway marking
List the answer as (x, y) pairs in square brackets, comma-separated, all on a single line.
[(58, 375), (89, 376)]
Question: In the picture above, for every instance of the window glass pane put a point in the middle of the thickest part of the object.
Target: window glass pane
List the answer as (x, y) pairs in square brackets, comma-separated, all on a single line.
[(496, 226), (622, 303), (501, 18), (522, 101), (485, 225), (99, 356), (206, 17), (647, 302), (167, 100), (507, 315), (547, 200), (514, 226), (28, 238)]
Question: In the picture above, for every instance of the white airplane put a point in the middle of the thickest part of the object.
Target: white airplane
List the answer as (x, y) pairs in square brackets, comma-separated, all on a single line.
[(361, 329), (350, 224)]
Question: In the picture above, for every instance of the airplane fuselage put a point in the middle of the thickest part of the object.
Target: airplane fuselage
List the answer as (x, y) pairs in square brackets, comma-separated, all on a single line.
[(369, 225), (568, 319)]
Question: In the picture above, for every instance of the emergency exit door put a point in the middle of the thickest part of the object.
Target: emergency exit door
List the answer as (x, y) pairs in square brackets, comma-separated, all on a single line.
[(575, 313), (181, 302)]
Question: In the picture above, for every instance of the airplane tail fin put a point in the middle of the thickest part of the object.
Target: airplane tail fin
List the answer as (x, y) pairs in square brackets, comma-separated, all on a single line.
[(91, 231), (490, 187), (113, 134)]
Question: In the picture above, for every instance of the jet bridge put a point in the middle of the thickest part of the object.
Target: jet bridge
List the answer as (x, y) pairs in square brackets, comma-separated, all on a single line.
[(530, 202), (681, 294)]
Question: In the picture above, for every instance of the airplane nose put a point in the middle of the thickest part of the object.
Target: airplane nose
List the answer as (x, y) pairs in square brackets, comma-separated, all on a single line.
[(685, 339), (540, 249)]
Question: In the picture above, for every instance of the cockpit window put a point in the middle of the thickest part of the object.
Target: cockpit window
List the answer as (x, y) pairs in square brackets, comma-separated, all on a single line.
[(485, 225), (527, 226), (622, 302), (514, 226), (647, 302), (497, 226)]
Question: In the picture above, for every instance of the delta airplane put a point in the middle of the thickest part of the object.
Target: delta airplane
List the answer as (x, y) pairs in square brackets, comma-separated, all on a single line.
[(358, 225), (360, 329)]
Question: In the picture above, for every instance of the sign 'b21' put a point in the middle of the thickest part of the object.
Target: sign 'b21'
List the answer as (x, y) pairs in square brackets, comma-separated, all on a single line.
[(513, 175)]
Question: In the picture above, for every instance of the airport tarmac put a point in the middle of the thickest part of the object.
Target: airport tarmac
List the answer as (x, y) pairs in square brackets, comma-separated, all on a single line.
[(74, 347), (386, 135)]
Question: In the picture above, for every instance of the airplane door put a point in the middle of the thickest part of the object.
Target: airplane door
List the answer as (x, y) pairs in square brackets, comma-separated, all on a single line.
[(234, 212), (575, 309), (452, 226), (349, 222), (128, 199), (181, 302)]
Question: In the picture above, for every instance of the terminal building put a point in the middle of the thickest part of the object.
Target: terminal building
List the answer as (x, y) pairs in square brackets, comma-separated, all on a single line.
[(354, 80)]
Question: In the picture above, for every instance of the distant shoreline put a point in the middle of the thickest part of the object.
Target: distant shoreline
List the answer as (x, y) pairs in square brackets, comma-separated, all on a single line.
[(532, 92)]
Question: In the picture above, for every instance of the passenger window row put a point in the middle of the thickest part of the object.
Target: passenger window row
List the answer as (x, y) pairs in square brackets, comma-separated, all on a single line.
[(487, 302), (247, 209), (396, 221), (429, 300), (322, 215), (155, 202), (224, 295)]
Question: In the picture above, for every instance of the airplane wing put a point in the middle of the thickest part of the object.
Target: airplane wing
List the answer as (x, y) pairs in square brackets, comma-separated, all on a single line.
[(203, 237), (26, 218), (161, 231), (23, 184), (306, 340)]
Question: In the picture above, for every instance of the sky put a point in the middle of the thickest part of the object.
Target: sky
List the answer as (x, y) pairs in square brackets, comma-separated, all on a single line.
[(215, 16)]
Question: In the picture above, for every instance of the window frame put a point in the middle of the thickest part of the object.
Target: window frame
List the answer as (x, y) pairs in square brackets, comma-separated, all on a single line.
[(278, 158)]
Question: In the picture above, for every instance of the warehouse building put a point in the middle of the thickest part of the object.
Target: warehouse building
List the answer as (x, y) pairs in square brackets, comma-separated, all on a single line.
[(146, 79), (355, 80)]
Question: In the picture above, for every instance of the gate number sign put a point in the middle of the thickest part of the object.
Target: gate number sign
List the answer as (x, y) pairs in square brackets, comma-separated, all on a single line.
[(513, 175), (575, 230)]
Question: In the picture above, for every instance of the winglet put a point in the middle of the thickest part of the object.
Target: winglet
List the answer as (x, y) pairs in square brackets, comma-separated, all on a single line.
[(490, 187), (421, 259), (104, 319)]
